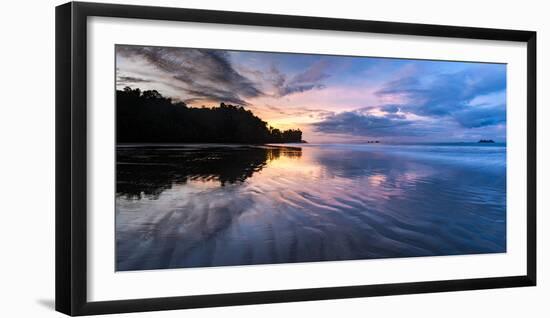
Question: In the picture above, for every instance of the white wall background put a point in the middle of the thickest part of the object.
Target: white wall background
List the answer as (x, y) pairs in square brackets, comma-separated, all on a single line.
[(27, 158)]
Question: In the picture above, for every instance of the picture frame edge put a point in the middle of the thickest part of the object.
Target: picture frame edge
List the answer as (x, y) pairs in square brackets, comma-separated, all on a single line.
[(70, 174)]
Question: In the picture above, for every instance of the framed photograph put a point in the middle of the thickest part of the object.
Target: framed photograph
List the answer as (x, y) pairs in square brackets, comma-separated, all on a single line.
[(208, 158)]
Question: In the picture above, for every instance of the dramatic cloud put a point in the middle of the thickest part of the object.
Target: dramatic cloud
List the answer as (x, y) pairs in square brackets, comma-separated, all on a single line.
[(362, 122), (200, 74), (305, 81), (449, 104), (481, 116), (325, 95), (129, 79), (447, 94)]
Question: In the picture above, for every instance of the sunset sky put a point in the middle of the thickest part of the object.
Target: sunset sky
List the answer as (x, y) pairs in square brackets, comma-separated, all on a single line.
[(331, 98)]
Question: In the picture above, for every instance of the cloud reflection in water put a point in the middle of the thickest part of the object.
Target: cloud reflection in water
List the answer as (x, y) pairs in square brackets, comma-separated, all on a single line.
[(199, 205)]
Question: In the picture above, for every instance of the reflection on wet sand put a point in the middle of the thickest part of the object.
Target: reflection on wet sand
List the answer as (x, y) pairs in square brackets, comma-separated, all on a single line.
[(195, 206), (149, 170)]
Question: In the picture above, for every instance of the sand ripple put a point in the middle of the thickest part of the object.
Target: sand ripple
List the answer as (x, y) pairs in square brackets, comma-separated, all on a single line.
[(324, 205)]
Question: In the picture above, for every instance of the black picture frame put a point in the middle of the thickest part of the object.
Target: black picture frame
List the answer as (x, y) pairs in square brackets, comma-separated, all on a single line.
[(71, 157)]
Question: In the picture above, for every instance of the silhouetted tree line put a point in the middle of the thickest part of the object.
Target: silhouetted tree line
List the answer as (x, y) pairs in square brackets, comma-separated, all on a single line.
[(149, 117)]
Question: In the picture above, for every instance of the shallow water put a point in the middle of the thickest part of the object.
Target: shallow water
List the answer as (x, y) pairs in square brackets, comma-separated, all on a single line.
[(213, 205)]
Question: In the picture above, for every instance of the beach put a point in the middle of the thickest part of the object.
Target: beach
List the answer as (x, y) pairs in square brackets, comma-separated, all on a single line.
[(201, 205)]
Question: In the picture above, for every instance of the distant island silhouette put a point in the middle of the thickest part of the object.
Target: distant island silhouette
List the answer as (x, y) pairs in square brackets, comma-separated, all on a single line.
[(149, 117), (486, 141)]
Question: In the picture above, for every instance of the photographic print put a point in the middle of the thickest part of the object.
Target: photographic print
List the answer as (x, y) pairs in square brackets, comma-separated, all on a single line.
[(227, 157)]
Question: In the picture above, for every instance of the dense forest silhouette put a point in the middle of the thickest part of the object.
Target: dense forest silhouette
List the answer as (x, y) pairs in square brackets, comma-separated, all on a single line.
[(148, 171), (147, 116)]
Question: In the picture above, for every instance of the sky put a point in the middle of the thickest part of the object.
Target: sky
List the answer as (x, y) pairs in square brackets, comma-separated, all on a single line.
[(331, 98)]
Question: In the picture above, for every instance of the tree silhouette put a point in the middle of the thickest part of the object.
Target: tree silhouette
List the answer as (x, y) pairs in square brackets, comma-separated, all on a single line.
[(147, 116)]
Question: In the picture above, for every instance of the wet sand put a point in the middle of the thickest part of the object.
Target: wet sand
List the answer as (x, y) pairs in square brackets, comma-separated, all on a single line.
[(215, 205)]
